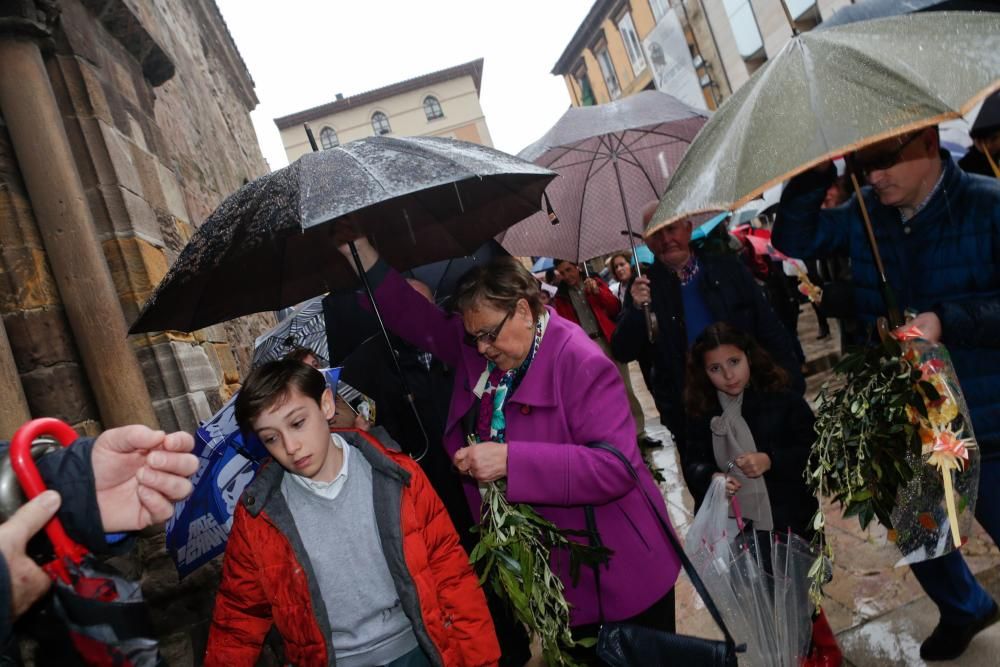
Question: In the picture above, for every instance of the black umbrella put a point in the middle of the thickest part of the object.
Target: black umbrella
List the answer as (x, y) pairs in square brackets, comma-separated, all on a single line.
[(442, 277), (273, 243), (348, 325), (104, 613)]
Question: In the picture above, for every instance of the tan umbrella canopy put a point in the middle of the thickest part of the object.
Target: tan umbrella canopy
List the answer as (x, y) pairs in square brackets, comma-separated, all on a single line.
[(829, 93)]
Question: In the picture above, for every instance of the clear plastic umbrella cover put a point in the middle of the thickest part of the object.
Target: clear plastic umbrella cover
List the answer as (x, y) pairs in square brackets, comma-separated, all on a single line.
[(758, 580), (945, 483)]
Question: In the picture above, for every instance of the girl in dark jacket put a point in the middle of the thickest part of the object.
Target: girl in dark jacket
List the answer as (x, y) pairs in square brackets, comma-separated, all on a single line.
[(746, 425)]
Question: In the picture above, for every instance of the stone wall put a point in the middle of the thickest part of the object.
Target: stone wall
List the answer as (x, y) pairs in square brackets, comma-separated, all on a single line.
[(45, 354), (154, 162), (155, 101)]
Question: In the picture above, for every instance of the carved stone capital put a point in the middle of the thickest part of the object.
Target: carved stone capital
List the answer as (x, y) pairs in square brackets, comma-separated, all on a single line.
[(29, 19)]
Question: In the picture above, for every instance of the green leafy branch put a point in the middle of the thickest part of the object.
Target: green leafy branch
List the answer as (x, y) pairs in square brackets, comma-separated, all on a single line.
[(865, 440), (512, 556)]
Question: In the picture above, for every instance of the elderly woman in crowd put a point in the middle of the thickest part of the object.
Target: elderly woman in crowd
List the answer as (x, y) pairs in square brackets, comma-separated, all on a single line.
[(535, 390)]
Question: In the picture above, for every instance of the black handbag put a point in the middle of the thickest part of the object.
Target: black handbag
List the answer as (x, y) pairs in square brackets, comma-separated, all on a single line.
[(628, 645)]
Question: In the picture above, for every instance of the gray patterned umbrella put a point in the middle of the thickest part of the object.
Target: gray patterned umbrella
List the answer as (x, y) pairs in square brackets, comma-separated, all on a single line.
[(273, 242), (304, 327)]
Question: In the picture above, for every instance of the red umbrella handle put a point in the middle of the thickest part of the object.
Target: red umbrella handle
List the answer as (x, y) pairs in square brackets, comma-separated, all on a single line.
[(31, 481)]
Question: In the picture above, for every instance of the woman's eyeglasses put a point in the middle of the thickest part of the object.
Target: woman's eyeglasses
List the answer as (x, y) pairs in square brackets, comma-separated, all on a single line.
[(488, 337), (882, 162)]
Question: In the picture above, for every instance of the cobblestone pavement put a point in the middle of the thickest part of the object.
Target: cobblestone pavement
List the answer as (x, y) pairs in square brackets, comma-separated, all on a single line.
[(879, 612)]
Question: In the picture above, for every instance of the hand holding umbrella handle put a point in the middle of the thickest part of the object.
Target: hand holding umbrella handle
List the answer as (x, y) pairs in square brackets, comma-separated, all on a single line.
[(652, 324), (31, 481)]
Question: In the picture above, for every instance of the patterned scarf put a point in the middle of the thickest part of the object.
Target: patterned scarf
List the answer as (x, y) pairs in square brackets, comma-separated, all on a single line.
[(690, 269), (500, 384)]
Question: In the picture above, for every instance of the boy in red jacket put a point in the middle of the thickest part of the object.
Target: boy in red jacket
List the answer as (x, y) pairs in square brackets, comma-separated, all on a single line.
[(342, 544)]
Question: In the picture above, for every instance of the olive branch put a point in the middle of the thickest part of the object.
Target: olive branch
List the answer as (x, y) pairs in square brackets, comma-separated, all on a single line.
[(512, 555), (865, 442)]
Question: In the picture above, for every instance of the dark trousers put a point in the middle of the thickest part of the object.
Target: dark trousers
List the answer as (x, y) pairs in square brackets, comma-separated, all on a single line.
[(947, 580), (659, 616), (515, 646)]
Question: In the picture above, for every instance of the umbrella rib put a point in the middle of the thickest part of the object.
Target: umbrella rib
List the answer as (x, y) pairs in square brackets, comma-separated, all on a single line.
[(585, 160), (364, 168), (571, 148), (662, 133), (641, 169), (636, 164), (583, 198)]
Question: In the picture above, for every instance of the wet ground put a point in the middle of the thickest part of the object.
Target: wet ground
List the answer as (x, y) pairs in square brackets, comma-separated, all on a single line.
[(879, 612)]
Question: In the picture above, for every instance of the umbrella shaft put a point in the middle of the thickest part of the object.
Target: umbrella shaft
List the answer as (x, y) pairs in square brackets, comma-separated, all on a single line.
[(892, 309), (388, 342), (628, 223)]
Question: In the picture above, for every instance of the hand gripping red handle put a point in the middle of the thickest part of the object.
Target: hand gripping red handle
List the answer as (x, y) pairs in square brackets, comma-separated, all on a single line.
[(31, 481)]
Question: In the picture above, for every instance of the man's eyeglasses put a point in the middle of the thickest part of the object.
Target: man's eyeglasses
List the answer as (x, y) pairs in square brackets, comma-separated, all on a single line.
[(488, 337), (884, 161)]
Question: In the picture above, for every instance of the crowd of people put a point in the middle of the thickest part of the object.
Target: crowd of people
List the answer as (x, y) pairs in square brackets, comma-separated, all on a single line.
[(528, 382)]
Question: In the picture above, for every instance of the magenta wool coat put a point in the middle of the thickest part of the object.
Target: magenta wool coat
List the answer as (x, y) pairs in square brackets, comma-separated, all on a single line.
[(572, 394)]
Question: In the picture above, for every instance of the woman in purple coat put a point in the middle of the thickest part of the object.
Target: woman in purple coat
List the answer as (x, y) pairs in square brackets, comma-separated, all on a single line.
[(546, 391)]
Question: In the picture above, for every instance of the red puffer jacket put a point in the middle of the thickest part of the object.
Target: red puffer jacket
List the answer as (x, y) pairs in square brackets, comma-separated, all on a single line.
[(267, 577)]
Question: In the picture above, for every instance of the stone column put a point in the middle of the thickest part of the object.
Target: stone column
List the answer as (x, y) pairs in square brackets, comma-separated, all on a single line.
[(67, 229), (13, 406)]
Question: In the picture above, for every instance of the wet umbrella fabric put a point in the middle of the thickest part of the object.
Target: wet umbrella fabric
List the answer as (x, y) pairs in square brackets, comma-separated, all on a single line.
[(607, 157), (304, 327), (273, 243), (829, 93), (867, 10)]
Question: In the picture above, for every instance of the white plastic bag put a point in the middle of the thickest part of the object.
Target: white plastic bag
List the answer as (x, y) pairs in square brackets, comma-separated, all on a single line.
[(712, 523)]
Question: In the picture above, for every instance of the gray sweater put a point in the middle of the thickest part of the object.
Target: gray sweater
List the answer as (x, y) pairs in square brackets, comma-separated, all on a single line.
[(367, 622)]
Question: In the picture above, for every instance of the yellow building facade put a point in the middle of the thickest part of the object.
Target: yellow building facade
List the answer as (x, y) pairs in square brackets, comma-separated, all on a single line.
[(698, 50), (441, 104)]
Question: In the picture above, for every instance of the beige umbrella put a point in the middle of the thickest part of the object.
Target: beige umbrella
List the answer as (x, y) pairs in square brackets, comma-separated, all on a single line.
[(829, 93)]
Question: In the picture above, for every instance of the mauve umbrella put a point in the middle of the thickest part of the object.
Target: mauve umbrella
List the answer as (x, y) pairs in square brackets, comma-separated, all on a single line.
[(273, 242), (610, 160)]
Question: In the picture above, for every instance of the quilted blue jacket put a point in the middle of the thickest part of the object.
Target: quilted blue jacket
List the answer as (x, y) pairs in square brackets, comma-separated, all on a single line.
[(945, 259)]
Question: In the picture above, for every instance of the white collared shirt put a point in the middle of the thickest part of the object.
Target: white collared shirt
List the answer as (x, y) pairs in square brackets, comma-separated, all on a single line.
[(328, 490)]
